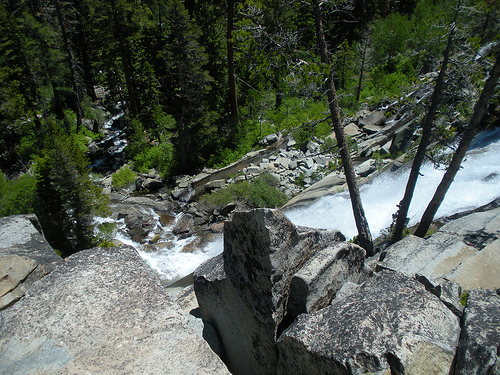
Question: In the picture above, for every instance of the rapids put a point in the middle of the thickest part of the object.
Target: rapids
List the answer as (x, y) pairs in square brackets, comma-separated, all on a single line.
[(476, 183)]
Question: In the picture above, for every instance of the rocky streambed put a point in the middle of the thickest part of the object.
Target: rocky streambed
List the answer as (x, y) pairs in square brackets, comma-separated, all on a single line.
[(174, 233)]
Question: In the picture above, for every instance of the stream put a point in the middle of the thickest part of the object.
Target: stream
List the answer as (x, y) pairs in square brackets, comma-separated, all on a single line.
[(476, 184)]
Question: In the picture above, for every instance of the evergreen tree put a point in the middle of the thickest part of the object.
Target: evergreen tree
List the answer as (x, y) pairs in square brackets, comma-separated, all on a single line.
[(66, 197)]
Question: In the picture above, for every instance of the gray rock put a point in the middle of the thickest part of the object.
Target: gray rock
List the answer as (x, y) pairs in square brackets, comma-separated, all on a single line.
[(183, 224), (152, 184), (317, 282), (374, 118), (269, 139), (372, 129), (181, 193), (156, 205), (321, 161), (25, 257), (401, 140), (367, 167), (102, 311), (391, 324), (282, 162), (351, 130), (478, 352), (465, 251), (291, 143), (245, 298), (310, 146), (448, 292), (216, 184)]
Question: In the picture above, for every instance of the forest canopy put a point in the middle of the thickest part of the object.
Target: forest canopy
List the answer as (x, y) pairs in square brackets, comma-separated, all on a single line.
[(200, 82)]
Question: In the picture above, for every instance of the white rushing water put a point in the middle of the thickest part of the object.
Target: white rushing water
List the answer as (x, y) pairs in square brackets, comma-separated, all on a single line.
[(476, 184)]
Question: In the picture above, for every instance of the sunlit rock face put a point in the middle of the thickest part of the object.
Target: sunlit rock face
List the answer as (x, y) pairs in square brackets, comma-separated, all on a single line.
[(25, 257), (102, 311), (391, 323)]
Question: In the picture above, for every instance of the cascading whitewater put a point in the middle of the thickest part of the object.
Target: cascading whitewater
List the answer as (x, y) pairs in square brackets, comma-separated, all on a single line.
[(476, 184)]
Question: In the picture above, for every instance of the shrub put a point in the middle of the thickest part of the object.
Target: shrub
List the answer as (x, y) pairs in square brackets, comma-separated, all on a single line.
[(263, 191), (160, 157), (123, 177), (17, 196), (105, 234)]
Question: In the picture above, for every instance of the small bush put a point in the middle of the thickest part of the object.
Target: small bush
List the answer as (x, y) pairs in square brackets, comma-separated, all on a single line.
[(17, 196), (265, 192), (261, 192), (160, 157), (105, 234), (123, 177)]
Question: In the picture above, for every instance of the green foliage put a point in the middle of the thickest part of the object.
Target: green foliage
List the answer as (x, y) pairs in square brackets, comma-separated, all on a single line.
[(105, 234), (66, 199), (463, 298), (263, 191), (160, 157), (17, 196), (123, 177)]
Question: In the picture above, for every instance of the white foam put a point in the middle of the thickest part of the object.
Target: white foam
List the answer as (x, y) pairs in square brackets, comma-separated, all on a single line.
[(471, 188)]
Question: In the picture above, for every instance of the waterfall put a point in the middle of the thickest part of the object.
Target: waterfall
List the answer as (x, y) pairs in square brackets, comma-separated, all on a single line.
[(476, 184)]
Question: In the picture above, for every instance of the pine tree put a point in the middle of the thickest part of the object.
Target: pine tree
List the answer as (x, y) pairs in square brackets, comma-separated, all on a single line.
[(66, 197)]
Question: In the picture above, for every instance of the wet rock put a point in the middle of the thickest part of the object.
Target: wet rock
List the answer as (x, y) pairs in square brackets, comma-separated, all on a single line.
[(167, 219), (390, 324), (217, 227), (227, 209), (183, 224), (152, 184)]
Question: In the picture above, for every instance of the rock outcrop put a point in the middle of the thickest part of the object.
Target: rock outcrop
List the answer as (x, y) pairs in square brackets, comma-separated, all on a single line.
[(101, 311), (391, 324), (25, 257), (479, 349), (244, 292), (281, 308), (465, 251)]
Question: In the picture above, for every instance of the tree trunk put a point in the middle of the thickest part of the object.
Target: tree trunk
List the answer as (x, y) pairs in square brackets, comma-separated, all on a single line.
[(71, 64), (127, 70), (404, 205), (360, 80), (364, 236), (468, 136), (233, 99), (83, 47)]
